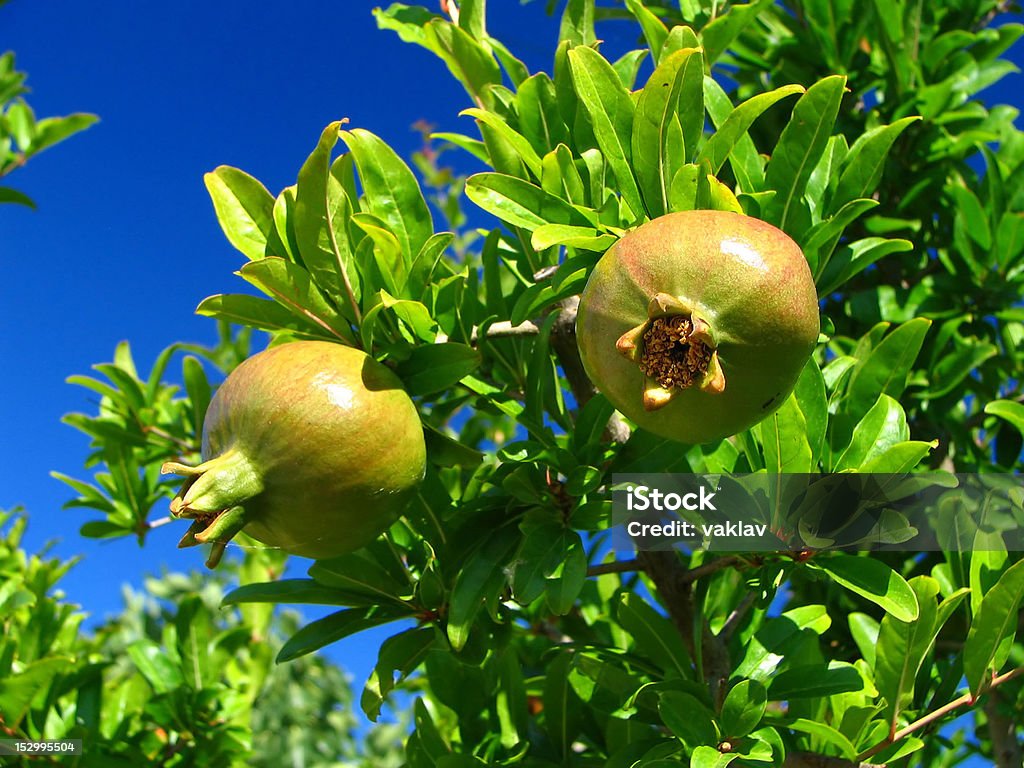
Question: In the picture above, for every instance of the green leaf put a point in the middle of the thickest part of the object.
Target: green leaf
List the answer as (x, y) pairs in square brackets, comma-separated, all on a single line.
[(194, 629), (445, 451), (292, 287), (562, 707), (808, 681), (433, 368), (743, 709), (864, 164), (864, 630), (413, 314), (245, 210), (779, 635), (677, 81), (654, 636), (688, 719), (520, 203), (567, 581), (902, 647), (299, 591), (586, 238), (481, 578), (539, 118), (392, 263), (8, 195), (882, 427), (467, 59), (747, 165), (53, 130), (155, 666), (993, 628), (1010, 410), (359, 573), (258, 313), (820, 241), (577, 25), (886, 369), (611, 113), (784, 435), (899, 458), (812, 400), (736, 125), (801, 145), (718, 35), (874, 580), (852, 259), (334, 627), (654, 28), (198, 388), (542, 551), (401, 654), (826, 733), (319, 219), (518, 142), (390, 191), (706, 757), (18, 690)]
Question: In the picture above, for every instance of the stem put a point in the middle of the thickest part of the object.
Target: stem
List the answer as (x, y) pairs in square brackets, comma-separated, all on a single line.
[(616, 566), (966, 700), (707, 569), (505, 329), (563, 342), (1006, 750)]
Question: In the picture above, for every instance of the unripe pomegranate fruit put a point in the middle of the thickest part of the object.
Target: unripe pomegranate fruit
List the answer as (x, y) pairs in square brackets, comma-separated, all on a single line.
[(696, 325), (312, 447)]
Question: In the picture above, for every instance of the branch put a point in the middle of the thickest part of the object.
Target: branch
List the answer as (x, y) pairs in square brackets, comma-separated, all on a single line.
[(1006, 750), (563, 342), (673, 583), (616, 566), (967, 700), (505, 329)]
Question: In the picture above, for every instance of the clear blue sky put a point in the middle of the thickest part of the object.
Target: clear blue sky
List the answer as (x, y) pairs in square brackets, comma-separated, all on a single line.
[(124, 244)]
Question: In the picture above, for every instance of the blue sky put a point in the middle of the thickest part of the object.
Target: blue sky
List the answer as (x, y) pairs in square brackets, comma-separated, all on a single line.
[(125, 244)]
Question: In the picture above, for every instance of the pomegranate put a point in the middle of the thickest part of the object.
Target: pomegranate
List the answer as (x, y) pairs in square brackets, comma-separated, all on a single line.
[(312, 447), (696, 324)]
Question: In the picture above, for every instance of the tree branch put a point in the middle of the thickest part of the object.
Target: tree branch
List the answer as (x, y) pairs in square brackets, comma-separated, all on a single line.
[(1006, 750), (616, 566), (505, 329), (563, 342), (967, 700)]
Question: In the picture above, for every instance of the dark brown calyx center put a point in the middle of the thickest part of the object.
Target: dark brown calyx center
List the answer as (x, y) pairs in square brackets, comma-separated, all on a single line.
[(670, 356)]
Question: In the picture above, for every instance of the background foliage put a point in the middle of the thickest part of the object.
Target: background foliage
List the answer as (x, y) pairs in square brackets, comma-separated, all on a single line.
[(854, 127)]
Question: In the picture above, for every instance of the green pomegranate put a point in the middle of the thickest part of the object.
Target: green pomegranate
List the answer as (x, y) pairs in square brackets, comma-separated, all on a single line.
[(312, 447), (697, 324)]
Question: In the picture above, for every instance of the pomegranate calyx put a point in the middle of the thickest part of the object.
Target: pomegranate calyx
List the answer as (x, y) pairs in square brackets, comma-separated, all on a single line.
[(216, 485)]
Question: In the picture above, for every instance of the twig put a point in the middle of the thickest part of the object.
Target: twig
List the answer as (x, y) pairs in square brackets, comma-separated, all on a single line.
[(616, 566), (733, 620), (563, 341), (505, 329), (966, 700), (692, 575)]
